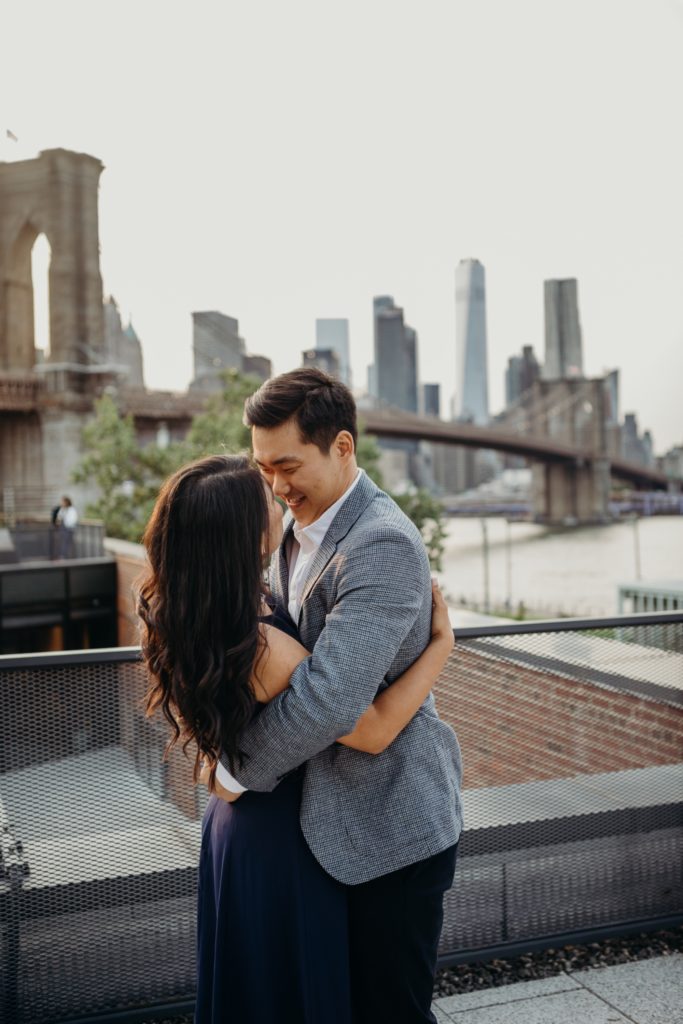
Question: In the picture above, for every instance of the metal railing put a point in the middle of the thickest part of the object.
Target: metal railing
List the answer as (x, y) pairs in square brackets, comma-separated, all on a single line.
[(36, 540), (572, 742)]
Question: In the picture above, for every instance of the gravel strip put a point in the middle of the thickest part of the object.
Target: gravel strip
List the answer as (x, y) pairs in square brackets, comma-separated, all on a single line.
[(452, 981)]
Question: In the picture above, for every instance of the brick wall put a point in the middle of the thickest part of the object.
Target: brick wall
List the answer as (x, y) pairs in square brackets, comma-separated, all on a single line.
[(517, 724), (514, 723), (130, 564)]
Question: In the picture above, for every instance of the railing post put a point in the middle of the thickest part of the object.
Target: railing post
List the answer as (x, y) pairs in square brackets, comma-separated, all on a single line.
[(13, 870), (8, 507)]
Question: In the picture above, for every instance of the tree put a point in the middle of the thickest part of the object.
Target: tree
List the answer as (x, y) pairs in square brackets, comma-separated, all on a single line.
[(127, 477), (368, 455), (220, 428), (419, 505), (427, 513)]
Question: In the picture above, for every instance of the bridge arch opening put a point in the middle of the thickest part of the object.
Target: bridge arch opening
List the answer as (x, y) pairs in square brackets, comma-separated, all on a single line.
[(29, 260), (41, 257)]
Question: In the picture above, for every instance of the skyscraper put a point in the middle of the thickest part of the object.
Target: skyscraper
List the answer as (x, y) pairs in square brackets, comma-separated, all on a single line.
[(563, 344), (521, 372), (394, 376), (334, 334), (431, 399), (216, 346), (257, 366), (325, 359), (471, 386), (395, 356)]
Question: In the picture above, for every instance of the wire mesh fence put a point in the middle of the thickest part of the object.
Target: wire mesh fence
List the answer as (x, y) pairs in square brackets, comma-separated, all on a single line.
[(572, 742)]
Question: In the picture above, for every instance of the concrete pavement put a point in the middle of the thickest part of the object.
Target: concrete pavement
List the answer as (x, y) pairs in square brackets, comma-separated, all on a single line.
[(644, 992)]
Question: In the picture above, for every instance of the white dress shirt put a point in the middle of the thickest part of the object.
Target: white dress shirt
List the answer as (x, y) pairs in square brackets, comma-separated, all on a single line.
[(308, 539)]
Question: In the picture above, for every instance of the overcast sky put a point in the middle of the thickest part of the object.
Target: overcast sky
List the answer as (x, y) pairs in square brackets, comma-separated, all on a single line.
[(282, 161)]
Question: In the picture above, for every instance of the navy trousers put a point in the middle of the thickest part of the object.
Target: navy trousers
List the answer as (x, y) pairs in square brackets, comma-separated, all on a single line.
[(394, 927)]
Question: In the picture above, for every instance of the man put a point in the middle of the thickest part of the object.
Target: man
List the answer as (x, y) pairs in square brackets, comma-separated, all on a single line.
[(353, 572)]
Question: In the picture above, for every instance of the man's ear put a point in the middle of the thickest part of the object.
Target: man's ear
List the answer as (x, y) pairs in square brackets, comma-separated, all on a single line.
[(343, 444)]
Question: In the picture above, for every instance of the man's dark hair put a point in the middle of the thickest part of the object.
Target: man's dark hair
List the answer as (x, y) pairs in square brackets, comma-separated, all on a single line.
[(321, 405)]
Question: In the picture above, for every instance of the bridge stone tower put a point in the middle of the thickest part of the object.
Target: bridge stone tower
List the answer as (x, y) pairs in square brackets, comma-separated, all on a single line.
[(571, 411), (55, 194)]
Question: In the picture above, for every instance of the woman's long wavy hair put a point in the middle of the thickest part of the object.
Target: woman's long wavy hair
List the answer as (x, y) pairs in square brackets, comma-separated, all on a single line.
[(201, 600)]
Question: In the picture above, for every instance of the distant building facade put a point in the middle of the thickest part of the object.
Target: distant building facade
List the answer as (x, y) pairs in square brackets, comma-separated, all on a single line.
[(122, 346), (471, 386), (331, 333), (520, 374), (257, 366), (325, 359), (636, 447), (563, 341), (372, 381), (216, 346), (395, 365), (431, 399), (613, 430), (671, 462), (394, 379)]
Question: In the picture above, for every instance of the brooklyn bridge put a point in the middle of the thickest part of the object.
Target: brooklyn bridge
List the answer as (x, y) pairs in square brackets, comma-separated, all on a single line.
[(571, 477), (563, 428)]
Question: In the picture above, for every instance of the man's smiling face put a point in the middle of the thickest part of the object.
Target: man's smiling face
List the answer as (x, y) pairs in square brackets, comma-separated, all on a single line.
[(308, 480)]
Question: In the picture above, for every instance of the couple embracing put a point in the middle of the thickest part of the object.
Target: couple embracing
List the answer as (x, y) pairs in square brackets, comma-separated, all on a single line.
[(330, 837)]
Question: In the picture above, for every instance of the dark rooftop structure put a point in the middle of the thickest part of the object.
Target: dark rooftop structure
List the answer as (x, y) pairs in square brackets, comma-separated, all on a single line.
[(53, 603)]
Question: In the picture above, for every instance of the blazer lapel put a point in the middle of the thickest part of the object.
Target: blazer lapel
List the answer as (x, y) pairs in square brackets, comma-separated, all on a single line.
[(356, 503), (279, 569)]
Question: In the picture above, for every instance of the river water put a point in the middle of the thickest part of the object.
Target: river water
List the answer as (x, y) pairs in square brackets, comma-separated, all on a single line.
[(559, 571)]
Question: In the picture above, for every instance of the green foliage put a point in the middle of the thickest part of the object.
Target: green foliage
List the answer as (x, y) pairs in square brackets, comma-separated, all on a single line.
[(419, 505), (220, 428), (127, 477), (368, 454), (427, 513)]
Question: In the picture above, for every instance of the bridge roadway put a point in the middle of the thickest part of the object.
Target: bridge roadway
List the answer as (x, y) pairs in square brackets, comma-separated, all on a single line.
[(24, 394), (537, 449)]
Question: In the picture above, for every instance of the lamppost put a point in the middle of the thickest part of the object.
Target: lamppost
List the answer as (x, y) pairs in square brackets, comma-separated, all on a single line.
[(485, 552), (636, 544), (508, 565)]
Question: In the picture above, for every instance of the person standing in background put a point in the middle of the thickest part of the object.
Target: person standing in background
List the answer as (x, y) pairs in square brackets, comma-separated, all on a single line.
[(66, 522)]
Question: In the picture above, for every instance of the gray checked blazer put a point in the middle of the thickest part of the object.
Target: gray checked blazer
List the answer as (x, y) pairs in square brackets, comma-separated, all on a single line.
[(366, 616)]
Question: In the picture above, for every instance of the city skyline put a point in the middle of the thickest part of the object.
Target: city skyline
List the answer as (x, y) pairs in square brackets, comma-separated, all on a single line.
[(419, 382), (220, 191)]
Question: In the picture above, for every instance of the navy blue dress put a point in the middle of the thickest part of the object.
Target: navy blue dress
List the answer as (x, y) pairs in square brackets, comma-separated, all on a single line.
[(272, 925)]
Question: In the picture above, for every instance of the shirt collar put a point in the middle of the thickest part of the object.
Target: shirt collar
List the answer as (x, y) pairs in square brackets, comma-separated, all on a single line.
[(312, 536)]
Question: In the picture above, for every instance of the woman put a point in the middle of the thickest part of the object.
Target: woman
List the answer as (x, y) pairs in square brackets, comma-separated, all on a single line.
[(272, 941)]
